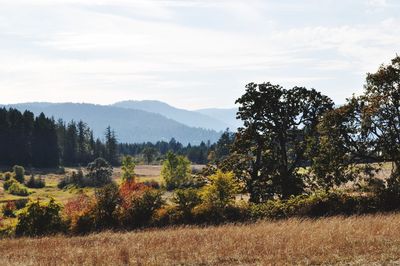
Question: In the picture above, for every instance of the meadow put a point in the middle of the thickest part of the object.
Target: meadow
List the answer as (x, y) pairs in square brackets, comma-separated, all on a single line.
[(336, 240), (52, 178)]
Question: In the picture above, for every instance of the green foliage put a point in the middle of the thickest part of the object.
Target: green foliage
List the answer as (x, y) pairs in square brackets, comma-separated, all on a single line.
[(176, 171), (107, 199), (332, 163), (128, 168), (40, 218), (186, 200), (221, 190), (76, 179), (379, 109), (271, 147), (149, 153), (7, 184), (224, 145), (315, 205), (19, 173), (18, 189), (140, 207), (7, 176), (35, 182), (99, 172), (111, 146)]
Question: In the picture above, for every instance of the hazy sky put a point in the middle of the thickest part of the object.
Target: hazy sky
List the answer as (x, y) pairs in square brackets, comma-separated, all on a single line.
[(189, 53)]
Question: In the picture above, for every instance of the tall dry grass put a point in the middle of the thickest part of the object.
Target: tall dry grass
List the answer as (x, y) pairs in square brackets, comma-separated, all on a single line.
[(355, 240)]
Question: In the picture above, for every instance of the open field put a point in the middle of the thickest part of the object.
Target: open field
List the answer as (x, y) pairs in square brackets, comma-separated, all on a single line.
[(144, 173), (355, 240)]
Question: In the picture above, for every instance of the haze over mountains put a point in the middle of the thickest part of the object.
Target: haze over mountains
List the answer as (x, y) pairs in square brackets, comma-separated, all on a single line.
[(142, 121)]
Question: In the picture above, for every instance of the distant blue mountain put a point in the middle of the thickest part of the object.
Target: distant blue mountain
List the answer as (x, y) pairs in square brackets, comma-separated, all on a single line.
[(189, 118), (131, 125), (226, 115)]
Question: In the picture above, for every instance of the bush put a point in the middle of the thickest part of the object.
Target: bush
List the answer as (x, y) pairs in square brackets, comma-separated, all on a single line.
[(7, 176), (19, 173), (221, 190), (38, 219), (140, 208), (7, 184), (79, 214), (176, 171), (76, 179), (316, 205), (20, 203), (99, 172), (8, 209), (18, 189), (37, 182), (186, 200), (107, 199), (128, 168), (152, 184), (139, 204)]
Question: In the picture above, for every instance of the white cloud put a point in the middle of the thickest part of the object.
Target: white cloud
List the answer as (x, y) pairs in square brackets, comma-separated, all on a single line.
[(102, 51), (377, 3)]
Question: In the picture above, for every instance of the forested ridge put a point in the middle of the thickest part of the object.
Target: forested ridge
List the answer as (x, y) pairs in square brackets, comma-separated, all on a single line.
[(43, 142)]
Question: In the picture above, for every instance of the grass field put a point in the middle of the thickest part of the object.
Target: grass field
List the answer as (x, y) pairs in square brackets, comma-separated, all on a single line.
[(355, 240), (144, 173)]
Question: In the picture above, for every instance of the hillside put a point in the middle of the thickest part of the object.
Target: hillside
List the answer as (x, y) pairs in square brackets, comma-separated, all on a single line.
[(130, 125), (227, 115), (190, 118), (365, 240)]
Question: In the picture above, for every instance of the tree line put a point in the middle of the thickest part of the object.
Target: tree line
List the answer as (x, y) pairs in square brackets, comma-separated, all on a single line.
[(198, 154), (41, 142)]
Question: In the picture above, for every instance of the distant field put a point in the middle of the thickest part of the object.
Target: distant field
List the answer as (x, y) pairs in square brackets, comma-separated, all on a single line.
[(367, 240), (144, 173)]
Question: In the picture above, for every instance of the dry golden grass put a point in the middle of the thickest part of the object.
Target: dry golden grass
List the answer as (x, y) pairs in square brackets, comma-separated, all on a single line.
[(356, 240)]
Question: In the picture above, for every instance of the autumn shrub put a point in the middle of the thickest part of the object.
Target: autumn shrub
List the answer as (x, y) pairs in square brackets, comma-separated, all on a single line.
[(40, 218), (78, 213), (138, 204), (167, 215)]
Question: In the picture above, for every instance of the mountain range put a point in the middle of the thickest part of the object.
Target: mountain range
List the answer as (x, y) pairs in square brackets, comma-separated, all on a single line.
[(142, 121)]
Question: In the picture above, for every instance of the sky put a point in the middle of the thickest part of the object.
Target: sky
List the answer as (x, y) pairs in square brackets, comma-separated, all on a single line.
[(190, 53)]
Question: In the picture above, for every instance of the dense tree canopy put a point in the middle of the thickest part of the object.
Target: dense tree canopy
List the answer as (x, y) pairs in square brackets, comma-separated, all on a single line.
[(278, 127)]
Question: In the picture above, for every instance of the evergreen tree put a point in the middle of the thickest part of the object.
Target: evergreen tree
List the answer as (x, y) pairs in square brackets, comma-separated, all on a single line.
[(111, 146), (71, 144), (45, 152)]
